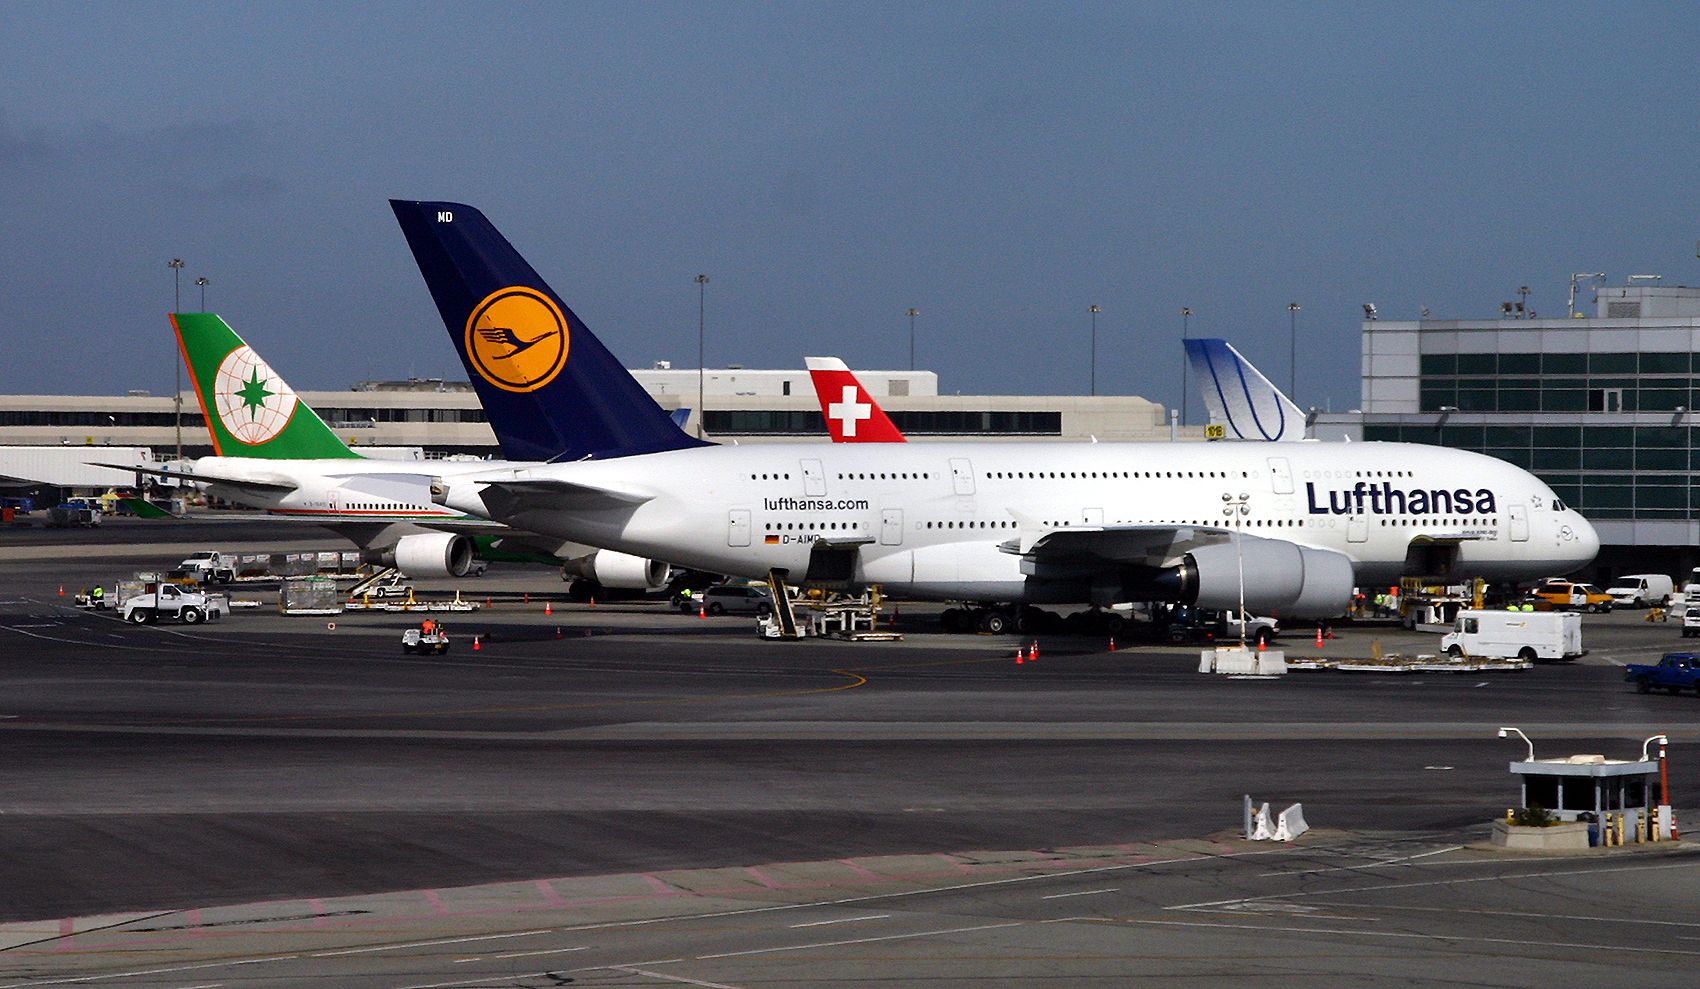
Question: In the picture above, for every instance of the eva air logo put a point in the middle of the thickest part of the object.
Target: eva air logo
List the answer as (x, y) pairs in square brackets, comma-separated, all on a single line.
[(253, 403)]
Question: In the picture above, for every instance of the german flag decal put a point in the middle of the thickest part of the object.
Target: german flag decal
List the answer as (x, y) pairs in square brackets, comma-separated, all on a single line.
[(772, 540)]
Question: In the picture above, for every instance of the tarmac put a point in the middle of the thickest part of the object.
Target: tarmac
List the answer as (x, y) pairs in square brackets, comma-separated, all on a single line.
[(624, 795)]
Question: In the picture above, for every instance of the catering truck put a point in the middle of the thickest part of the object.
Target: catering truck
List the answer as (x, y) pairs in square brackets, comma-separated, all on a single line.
[(1525, 635)]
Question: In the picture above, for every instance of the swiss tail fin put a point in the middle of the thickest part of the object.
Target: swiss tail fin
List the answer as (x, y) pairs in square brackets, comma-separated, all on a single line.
[(1239, 397), (250, 411), (852, 415), (551, 389)]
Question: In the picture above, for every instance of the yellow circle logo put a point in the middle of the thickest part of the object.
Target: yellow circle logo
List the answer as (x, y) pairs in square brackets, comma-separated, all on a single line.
[(517, 339)]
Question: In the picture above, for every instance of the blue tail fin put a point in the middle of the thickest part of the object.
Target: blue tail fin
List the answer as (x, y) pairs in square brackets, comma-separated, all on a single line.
[(552, 391), (1239, 396)]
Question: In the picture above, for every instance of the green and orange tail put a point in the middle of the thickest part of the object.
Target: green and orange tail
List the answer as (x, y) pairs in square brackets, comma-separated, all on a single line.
[(250, 410)]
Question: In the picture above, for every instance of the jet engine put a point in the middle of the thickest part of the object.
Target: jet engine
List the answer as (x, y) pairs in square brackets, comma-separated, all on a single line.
[(430, 554), (619, 570), (1281, 578)]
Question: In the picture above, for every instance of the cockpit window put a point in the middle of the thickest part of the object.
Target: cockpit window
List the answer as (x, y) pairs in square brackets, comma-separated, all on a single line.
[(1557, 505)]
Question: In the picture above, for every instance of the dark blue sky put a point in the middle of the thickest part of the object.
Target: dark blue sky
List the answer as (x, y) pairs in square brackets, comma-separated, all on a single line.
[(1000, 167)]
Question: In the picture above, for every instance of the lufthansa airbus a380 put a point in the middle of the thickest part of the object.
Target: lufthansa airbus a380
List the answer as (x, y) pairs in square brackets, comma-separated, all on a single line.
[(1036, 523)]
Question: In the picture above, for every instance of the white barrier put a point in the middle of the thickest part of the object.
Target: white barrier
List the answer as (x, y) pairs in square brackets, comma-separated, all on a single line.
[(1233, 660), (1292, 823), (1262, 827), (1262, 831)]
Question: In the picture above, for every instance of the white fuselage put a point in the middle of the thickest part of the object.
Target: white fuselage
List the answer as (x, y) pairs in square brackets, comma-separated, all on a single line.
[(932, 516)]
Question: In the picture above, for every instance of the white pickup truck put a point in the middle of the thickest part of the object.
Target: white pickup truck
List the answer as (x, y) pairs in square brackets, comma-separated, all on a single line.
[(211, 567), (170, 600)]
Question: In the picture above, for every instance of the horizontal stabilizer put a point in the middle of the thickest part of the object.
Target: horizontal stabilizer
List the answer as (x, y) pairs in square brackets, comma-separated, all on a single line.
[(1239, 397), (266, 482), (511, 496)]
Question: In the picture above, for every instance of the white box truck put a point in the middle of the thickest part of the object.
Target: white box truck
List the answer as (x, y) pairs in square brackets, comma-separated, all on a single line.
[(1526, 635)]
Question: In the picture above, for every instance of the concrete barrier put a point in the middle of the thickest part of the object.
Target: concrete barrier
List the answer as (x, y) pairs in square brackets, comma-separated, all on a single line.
[(1557, 837)]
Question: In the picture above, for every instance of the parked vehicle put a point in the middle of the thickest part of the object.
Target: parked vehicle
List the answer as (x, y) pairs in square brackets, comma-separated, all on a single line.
[(1674, 672), (159, 599), (1641, 590), (1525, 635), (738, 599), (1563, 595), (393, 586), (1690, 622), (210, 566), (73, 514), (1189, 624)]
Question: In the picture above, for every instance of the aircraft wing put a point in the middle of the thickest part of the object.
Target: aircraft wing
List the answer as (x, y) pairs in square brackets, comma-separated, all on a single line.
[(265, 482), (509, 496), (1086, 548)]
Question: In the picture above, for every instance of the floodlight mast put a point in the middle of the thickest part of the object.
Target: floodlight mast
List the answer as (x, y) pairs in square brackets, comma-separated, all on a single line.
[(1579, 276)]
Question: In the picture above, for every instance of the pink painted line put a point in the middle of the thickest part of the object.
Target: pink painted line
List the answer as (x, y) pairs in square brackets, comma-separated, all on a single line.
[(436, 900), (762, 878), (67, 927), (953, 861), (860, 870), (656, 883), (551, 895), (318, 907)]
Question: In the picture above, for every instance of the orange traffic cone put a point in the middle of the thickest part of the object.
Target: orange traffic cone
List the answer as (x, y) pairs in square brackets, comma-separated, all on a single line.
[(475, 646), (61, 590), (702, 611), (486, 600), (557, 631), (1033, 653), (548, 609), (527, 597), (1319, 637), (1020, 656), (1262, 643), (1112, 643), (593, 602)]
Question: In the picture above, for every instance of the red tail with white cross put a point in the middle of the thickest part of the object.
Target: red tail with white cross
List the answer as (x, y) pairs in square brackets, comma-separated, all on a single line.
[(852, 415)]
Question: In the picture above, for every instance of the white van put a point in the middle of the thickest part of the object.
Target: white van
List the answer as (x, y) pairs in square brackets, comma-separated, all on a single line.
[(1527, 635), (1641, 590)]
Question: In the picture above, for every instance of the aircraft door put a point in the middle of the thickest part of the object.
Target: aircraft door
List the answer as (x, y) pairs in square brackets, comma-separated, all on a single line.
[(1280, 476), (891, 527), (1519, 523), (814, 479), (962, 475), (738, 527), (1357, 529)]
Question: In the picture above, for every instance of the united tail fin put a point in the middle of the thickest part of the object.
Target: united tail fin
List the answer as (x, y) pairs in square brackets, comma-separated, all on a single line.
[(249, 410), (1239, 397), (852, 415), (551, 389)]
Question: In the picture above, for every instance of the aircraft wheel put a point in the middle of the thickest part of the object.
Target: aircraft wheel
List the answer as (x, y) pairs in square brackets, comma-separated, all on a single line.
[(995, 622)]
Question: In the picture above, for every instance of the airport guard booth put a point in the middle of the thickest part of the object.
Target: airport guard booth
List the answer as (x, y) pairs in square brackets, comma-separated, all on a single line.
[(1594, 785)]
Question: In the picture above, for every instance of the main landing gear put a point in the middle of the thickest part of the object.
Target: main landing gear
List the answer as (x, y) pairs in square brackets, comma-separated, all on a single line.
[(1002, 619)]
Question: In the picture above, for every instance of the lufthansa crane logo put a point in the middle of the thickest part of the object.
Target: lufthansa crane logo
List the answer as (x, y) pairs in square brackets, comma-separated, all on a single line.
[(517, 339)]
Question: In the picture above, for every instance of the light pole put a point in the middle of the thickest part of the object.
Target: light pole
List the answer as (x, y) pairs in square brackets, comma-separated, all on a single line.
[(1094, 310), (1186, 318), (702, 290), (203, 282), (1508, 732), (1292, 348), (1237, 509), (176, 266), (912, 313)]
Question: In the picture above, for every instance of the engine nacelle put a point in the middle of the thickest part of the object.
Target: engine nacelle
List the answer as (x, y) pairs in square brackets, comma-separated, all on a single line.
[(1282, 579), (619, 570), (432, 554)]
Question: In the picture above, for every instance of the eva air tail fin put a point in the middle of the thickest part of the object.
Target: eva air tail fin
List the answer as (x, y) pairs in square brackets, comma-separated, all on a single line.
[(250, 410), (551, 389), (1239, 397)]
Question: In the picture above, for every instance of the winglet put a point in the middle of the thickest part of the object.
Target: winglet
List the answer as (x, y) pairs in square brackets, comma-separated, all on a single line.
[(1238, 395), (852, 415)]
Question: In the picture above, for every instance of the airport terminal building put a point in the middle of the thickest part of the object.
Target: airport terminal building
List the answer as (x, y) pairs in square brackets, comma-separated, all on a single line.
[(1597, 405)]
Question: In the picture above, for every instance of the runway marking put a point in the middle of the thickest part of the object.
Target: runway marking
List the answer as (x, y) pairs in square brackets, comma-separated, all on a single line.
[(842, 920), (1531, 915), (1438, 882), (1373, 864), (1451, 938), (1088, 892), (864, 940), (523, 954), (425, 944), (676, 978), (151, 971)]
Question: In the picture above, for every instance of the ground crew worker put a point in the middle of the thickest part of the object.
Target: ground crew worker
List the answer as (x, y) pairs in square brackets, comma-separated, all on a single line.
[(98, 596), (427, 626)]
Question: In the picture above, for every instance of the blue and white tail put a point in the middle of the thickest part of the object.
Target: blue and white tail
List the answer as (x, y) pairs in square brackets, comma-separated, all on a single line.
[(551, 389), (1239, 397)]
